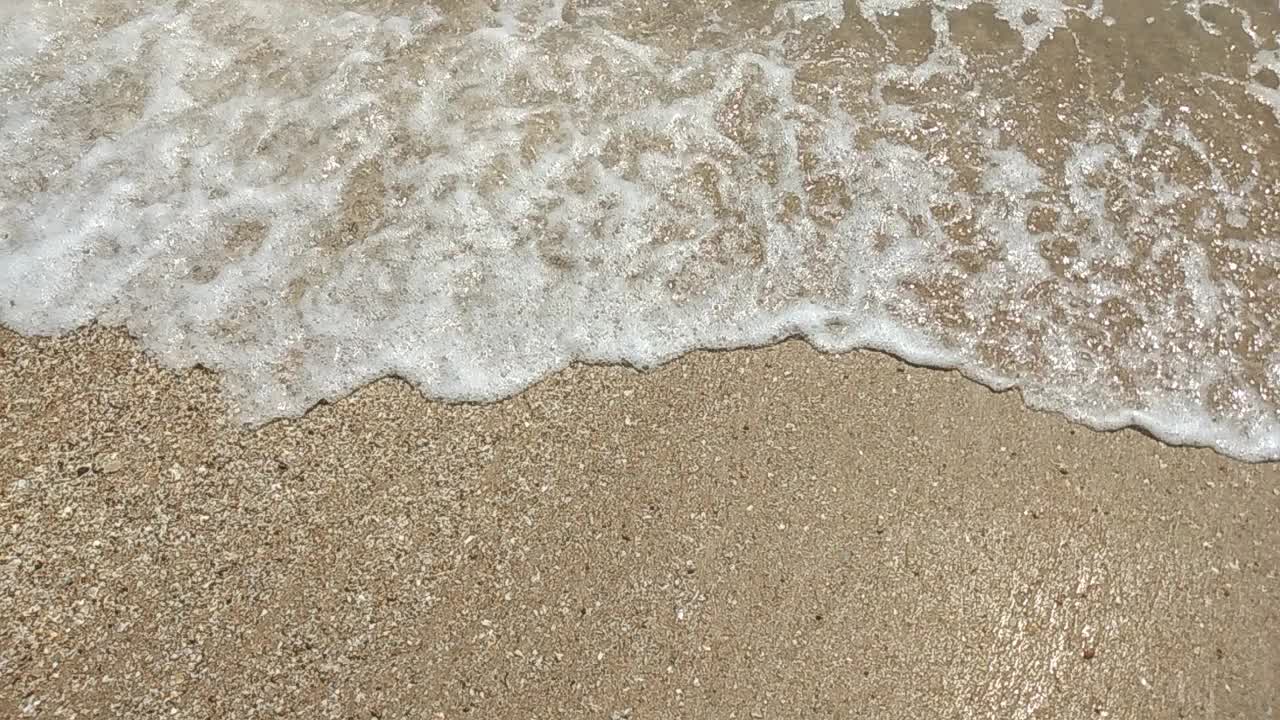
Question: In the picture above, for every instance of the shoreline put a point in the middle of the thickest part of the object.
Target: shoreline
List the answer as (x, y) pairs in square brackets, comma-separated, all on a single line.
[(798, 341), (773, 532)]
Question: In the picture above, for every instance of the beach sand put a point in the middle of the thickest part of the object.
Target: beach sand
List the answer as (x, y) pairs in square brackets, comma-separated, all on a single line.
[(772, 533)]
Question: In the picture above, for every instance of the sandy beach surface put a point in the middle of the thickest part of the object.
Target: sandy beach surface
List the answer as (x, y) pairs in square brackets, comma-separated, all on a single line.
[(757, 534)]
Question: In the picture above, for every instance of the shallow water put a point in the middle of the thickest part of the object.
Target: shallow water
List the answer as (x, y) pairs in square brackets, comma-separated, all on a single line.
[(1080, 199)]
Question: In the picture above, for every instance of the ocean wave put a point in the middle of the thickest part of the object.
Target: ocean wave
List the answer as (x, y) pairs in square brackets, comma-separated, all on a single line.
[(308, 195)]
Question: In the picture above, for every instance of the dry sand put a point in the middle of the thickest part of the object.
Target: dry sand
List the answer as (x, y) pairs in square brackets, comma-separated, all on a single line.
[(760, 534)]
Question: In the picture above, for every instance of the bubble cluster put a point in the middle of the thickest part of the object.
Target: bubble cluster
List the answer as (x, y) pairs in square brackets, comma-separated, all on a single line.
[(1077, 199)]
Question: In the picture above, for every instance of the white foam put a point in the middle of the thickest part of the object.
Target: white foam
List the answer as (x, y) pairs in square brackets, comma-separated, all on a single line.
[(1034, 20), (473, 199), (1266, 61)]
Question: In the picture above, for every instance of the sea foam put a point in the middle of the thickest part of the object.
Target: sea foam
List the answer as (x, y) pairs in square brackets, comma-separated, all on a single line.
[(309, 195)]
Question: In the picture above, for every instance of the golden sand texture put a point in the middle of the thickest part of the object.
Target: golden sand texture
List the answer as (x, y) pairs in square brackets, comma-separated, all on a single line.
[(757, 534)]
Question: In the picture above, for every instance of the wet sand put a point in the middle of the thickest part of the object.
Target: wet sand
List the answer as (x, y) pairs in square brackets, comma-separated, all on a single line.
[(756, 534)]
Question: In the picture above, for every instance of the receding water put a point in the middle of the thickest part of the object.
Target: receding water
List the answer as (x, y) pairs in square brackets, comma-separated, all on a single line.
[(1081, 199)]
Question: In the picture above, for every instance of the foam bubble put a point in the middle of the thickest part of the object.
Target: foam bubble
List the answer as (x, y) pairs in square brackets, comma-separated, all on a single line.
[(1264, 83), (473, 198)]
